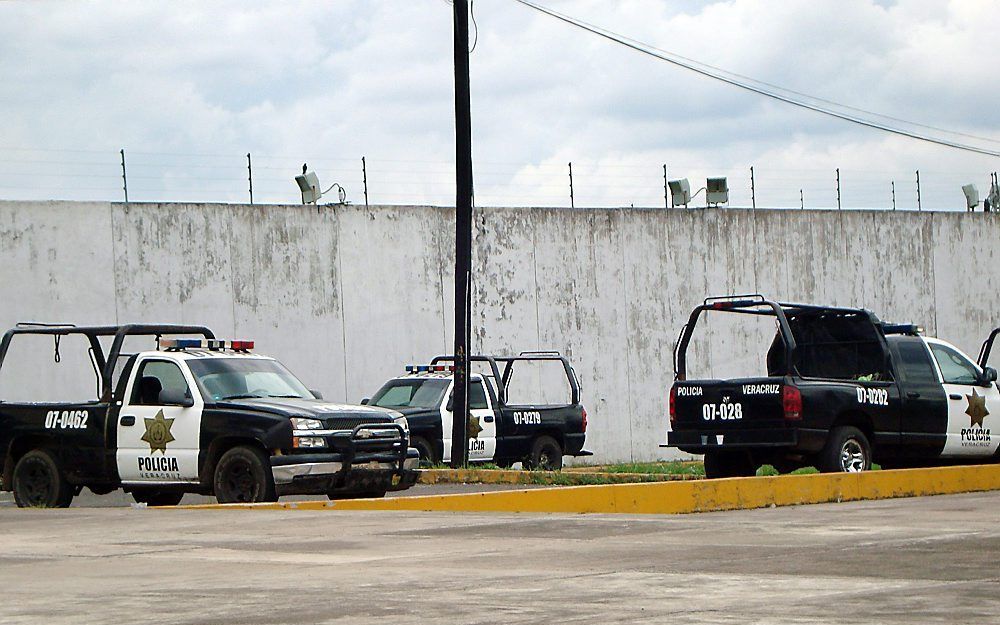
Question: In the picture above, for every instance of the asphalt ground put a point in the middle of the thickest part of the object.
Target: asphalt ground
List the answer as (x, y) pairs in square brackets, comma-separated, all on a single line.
[(919, 560), (119, 498)]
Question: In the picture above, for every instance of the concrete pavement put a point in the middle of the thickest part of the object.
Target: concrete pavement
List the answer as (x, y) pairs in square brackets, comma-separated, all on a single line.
[(921, 560)]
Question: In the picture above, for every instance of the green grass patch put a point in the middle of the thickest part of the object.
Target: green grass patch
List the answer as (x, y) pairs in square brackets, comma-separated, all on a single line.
[(659, 468)]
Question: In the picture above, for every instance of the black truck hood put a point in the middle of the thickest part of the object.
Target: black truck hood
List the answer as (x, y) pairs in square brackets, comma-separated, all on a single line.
[(311, 408), (414, 412)]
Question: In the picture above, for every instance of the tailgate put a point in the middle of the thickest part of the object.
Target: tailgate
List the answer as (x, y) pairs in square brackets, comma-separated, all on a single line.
[(726, 405)]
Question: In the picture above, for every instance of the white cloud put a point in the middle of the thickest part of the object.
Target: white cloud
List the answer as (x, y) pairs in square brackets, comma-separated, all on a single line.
[(189, 88)]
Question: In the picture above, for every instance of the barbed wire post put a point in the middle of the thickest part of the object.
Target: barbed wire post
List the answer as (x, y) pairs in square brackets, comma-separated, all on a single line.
[(124, 178), (666, 196), (918, 191), (572, 203), (893, 195), (802, 202), (753, 191), (838, 188), (250, 177)]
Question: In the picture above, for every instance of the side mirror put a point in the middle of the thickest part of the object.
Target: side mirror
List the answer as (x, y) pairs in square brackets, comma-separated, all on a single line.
[(364, 402), (451, 404), (989, 376), (316, 394), (174, 397)]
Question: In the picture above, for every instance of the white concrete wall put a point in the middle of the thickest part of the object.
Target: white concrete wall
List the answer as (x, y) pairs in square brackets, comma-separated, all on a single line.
[(346, 296)]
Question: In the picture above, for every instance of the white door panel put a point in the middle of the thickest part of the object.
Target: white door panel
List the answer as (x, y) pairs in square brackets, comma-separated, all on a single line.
[(482, 425), (973, 410), (158, 443), (973, 420)]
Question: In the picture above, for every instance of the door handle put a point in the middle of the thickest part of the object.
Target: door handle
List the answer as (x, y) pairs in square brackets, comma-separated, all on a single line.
[(488, 419), (127, 421), (913, 394), (954, 396)]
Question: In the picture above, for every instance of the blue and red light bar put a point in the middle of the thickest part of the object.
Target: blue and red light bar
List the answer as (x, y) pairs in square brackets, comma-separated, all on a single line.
[(430, 368), (214, 345)]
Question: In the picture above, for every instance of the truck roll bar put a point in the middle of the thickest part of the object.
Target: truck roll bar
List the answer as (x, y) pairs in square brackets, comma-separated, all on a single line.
[(503, 380), (104, 361)]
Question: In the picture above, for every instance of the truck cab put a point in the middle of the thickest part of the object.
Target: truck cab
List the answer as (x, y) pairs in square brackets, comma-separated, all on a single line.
[(537, 434), (197, 415)]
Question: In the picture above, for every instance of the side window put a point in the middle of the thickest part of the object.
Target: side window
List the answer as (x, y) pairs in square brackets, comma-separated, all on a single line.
[(153, 377), (955, 368), (477, 397), (916, 362)]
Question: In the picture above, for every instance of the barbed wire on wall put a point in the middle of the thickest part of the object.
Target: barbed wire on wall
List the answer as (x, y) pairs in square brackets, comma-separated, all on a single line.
[(47, 174)]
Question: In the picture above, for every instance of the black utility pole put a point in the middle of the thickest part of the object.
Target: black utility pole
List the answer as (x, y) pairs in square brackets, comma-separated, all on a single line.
[(463, 235)]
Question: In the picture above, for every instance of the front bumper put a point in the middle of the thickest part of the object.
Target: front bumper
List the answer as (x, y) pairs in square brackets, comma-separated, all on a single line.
[(359, 464), (325, 465)]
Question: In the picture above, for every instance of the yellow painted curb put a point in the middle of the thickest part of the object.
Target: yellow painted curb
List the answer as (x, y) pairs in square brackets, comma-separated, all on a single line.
[(685, 496)]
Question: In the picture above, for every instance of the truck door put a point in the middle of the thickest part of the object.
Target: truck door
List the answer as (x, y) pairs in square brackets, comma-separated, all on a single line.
[(973, 408), (158, 439), (923, 419), (483, 428)]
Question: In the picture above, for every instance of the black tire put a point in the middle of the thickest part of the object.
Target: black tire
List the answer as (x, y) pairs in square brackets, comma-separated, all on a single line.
[(729, 464), (243, 475), (427, 455), (157, 497), (847, 450), (546, 455), (38, 482)]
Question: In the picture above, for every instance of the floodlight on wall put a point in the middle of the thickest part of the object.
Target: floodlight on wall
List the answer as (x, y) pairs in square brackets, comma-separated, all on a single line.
[(309, 186), (716, 191), (308, 183), (680, 192), (971, 196)]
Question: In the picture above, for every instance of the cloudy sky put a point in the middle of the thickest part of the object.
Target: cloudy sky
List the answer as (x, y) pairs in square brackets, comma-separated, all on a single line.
[(189, 88)]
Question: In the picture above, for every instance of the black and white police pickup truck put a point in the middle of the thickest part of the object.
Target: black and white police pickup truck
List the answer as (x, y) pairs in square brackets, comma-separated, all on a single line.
[(195, 415), (538, 435), (842, 389)]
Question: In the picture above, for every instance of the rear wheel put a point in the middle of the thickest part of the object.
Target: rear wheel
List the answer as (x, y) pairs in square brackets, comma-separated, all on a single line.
[(546, 454), (847, 450), (157, 497), (39, 483), (243, 475), (729, 464)]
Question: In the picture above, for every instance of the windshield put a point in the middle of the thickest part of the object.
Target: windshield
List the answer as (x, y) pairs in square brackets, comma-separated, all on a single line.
[(411, 393), (236, 378)]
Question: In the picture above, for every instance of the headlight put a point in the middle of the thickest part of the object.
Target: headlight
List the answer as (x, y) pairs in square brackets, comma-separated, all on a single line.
[(300, 423), (402, 422), (300, 442)]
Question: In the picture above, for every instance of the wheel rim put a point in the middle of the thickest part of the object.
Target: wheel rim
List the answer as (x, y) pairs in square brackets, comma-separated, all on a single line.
[(545, 460), (36, 484), (239, 481), (852, 456)]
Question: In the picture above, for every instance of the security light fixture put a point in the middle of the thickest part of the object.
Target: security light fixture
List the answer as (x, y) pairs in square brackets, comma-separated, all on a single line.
[(680, 192), (716, 191), (308, 183), (971, 196), (309, 186)]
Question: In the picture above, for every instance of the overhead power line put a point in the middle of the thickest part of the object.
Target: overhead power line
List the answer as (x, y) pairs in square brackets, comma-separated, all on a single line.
[(743, 82)]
